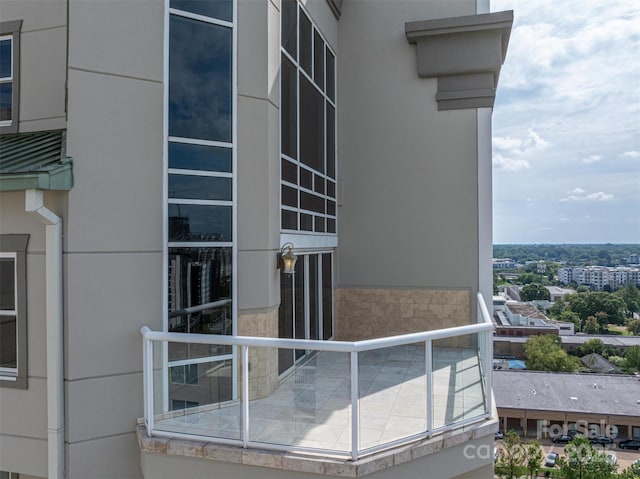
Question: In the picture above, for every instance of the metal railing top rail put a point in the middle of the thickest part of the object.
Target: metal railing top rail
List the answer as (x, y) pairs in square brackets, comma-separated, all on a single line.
[(320, 345)]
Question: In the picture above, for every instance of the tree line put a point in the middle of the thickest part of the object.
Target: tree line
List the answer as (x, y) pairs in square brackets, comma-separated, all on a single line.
[(571, 254)]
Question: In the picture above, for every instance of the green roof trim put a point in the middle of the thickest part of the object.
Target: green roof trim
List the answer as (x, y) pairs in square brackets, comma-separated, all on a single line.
[(35, 161)]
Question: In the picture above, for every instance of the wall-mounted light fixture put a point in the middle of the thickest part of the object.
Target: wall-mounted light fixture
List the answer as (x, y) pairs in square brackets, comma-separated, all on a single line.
[(286, 259)]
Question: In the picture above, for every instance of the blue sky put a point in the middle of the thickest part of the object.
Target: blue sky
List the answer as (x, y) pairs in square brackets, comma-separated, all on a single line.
[(566, 124)]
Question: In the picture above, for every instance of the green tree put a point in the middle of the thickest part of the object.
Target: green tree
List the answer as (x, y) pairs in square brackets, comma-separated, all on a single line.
[(512, 456), (589, 304), (545, 353), (570, 317), (593, 345), (583, 461), (534, 291), (582, 289), (631, 296), (634, 327), (591, 325), (632, 358), (533, 458)]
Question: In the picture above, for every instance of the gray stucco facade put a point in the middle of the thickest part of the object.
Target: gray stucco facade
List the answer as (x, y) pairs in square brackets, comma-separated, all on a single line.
[(413, 194)]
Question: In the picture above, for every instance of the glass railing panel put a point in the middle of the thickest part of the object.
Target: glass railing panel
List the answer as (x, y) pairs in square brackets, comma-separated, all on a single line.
[(393, 394), (310, 405), (458, 390), (194, 395)]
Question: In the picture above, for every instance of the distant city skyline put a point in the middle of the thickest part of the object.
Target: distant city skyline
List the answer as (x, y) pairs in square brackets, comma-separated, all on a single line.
[(566, 124)]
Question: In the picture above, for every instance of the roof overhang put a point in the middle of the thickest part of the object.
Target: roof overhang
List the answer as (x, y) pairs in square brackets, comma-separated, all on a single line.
[(465, 54), (35, 161)]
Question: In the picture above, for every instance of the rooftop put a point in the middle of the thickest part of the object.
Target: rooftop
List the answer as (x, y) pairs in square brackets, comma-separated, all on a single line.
[(568, 392)]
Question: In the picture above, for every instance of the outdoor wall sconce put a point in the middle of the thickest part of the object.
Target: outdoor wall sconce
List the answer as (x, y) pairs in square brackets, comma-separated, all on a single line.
[(286, 259)]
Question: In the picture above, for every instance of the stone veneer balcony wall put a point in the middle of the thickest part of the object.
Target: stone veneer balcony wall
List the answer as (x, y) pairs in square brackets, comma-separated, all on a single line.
[(367, 313), (263, 361)]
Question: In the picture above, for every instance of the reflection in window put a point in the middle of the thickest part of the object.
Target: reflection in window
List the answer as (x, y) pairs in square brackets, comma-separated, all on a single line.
[(199, 187), (209, 223), (188, 156), (8, 333), (199, 80), (6, 78)]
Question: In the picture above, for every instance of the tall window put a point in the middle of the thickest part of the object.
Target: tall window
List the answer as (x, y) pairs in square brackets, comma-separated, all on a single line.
[(307, 125), (306, 305), (9, 75), (200, 184), (13, 310)]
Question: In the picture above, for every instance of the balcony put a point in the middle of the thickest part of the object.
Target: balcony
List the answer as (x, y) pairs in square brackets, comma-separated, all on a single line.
[(342, 403)]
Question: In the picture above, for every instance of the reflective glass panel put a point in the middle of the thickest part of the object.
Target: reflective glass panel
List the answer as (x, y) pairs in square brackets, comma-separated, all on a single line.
[(289, 111), (289, 24), (289, 220), (199, 157), (327, 297), (222, 9), (311, 126), (318, 60), (200, 82), (199, 187), (331, 76), (8, 342), (199, 223), (331, 141), (7, 284), (6, 101), (305, 42), (5, 59), (285, 320)]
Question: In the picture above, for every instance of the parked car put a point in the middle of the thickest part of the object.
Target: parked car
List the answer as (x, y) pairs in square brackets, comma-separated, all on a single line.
[(629, 444), (563, 438), (499, 435), (601, 440), (550, 461)]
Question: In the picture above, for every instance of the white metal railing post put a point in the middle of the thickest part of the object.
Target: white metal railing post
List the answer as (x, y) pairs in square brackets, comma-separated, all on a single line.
[(150, 388), (483, 312), (145, 392), (489, 369), (245, 395), (428, 369), (355, 413)]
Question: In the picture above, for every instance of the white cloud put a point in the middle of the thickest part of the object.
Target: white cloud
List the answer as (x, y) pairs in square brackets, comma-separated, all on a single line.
[(578, 194), (631, 154), (592, 159), (514, 153), (509, 164)]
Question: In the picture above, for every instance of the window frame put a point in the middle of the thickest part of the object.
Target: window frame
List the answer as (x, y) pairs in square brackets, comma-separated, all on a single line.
[(15, 245), (324, 186), (11, 29)]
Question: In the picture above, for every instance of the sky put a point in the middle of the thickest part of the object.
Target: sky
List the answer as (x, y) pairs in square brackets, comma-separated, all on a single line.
[(566, 124)]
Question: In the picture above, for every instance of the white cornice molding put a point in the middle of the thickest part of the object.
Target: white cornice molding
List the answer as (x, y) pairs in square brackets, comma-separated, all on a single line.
[(465, 54)]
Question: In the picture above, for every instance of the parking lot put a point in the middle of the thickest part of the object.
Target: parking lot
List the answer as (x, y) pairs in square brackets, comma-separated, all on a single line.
[(625, 457)]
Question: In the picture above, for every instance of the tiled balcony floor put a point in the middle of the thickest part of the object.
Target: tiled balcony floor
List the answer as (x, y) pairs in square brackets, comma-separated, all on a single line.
[(312, 408)]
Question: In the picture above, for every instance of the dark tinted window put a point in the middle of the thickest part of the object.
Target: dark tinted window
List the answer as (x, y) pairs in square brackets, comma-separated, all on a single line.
[(199, 187), (222, 9), (289, 26), (199, 157), (331, 141), (6, 101), (199, 223), (311, 126), (7, 284), (318, 60), (5, 59), (331, 76), (199, 80), (289, 110), (306, 34)]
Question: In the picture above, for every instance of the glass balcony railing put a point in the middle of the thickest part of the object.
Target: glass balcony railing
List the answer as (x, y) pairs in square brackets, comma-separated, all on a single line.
[(347, 399)]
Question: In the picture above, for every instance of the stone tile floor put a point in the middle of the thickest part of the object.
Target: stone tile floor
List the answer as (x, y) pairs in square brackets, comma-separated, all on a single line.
[(312, 406)]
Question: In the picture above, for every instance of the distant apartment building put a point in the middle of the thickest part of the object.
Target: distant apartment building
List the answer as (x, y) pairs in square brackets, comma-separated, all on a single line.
[(597, 277), (504, 263)]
